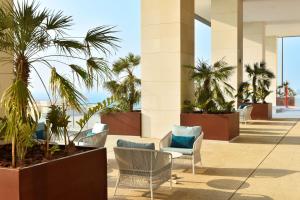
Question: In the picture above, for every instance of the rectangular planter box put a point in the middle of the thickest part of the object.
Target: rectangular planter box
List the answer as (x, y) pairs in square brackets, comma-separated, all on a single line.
[(261, 111), (215, 126), (80, 176), (123, 123), (280, 101)]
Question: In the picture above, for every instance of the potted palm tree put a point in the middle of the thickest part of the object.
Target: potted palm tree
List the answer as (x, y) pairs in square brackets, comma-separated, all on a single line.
[(213, 107), (256, 90), (35, 40), (284, 91), (122, 117)]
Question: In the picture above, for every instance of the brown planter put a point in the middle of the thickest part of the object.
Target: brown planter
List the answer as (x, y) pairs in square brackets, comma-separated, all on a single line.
[(215, 126), (123, 123), (261, 111), (80, 176), (280, 101)]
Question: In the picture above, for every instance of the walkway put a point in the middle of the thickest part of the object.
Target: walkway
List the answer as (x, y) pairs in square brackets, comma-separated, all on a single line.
[(262, 164)]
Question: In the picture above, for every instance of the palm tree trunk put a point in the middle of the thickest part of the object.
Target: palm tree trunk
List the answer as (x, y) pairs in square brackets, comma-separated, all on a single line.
[(254, 89), (13, 152), (132, 91)]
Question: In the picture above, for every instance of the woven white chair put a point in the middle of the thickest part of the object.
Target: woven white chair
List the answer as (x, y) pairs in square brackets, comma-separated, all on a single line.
[(245, 113), (192, 154), (142, 168), (95, 137)]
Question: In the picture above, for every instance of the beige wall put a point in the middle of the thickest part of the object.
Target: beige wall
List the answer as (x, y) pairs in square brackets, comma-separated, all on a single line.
[(227, 35), (167, 44), (271, 60), (5, 70)]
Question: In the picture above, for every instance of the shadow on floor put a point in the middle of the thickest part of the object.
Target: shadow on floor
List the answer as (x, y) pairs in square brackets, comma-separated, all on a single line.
[(227, 184), (273, 123), (244, 172), (260, 132), (262, 129), (186, 194), (266, 139)]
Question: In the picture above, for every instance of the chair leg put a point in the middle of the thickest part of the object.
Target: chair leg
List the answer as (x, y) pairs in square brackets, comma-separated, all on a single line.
[(171, 179), (193, 165), (151, 188), (117, 184)]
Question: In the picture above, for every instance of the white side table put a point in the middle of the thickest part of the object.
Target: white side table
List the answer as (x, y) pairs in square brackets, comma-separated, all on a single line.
[(175, 155)]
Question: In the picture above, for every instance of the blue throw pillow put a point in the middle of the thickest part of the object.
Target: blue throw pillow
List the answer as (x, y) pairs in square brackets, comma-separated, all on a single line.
[(40, 135), (40, 131), (182, 141), (134, 145), (243, 105)]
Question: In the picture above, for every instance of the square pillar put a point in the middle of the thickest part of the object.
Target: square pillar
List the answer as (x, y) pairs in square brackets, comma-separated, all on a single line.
[(167, 44), (227, 35), (254, 43), (271, 60)]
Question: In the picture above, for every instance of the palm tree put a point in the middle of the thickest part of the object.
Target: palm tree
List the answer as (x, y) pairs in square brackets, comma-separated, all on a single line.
[(31, 39), (212, 86), (260, 77), (281, 90), (126, 90)]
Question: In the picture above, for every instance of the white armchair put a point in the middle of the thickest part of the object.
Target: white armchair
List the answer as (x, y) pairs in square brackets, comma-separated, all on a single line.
[(142, 168), (245, 113), (193, 153), (95, 137)]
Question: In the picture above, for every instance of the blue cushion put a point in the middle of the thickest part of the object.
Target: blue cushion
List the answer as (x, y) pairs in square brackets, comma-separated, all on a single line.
[(128, 144), (187, 131), (184, 151), (89, 133), (182, 141), (40, 131), (243, 105), (40, 135)]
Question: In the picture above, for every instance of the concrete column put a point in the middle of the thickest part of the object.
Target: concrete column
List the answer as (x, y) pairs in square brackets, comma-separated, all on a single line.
[(167, 45), (227, 35), (271, 60), (254, 43), (6, 69)]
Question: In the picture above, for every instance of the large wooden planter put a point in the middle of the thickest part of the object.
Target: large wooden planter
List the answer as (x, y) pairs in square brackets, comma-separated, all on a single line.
[(81, 176), (123, 123), (280, 101), (215, 126), (261, 111)]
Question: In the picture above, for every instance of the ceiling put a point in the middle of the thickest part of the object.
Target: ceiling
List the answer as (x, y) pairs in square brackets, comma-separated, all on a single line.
[(274, 13)]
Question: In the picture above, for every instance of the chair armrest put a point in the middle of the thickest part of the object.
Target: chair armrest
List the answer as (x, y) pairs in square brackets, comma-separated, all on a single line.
[(82, 134), (80, 139), (165, 141), (198, 143)]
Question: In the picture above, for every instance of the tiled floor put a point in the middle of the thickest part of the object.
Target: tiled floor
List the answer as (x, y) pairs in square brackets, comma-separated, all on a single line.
[(253, 166)]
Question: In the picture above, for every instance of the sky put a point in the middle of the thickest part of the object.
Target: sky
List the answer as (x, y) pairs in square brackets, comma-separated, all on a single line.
[(291, 61), (125, 15)]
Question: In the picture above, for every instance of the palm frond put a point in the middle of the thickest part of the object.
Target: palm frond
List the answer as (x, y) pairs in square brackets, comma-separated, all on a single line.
[(101, 39), (58, 22), (65, 89)]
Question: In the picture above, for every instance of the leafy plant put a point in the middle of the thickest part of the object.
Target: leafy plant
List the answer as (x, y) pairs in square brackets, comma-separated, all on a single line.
[(244, 92), (281, 90), (260, 81), (32, 38), (212, 88), (125, 88)]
